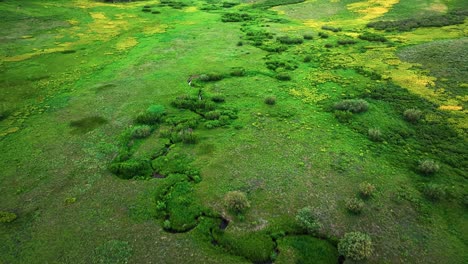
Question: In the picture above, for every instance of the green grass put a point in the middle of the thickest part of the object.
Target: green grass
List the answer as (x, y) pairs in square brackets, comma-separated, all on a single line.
[(77, 74)]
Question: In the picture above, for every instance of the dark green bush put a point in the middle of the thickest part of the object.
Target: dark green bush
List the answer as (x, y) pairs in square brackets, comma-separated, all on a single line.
[(374, 134), (307, 220), (354, 205), (330, 28), (328, 46), (355, 245), (131, 168), (323, 35), (238, 72), (7, 217), (343, 116), (235, 17), (256, 247), (352, 105), (366, 189), (142, 131), (182, 208), (193, 103), (275, 64), (412, 115), (307, 58), (283, 76), (433, 192), (346, 42), (152, 115), (211, 77), (270, 100), (240, 43), (236, 201), (308, 36), (213, 115), (218, 99), (428, 167), (289, 40), (173, 4), (372, 37)]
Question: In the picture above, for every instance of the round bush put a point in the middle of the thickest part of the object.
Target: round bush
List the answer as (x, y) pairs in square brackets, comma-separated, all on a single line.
[(433, 192), (306, 219), (366, 189), (428, 167), (352, 105), (282, 76), (354, 205), (212, 115), (374, 134), (236, 201), (412, 115), (270, 100), (355, 245), (141, 131), (152, 115), (7, 217)]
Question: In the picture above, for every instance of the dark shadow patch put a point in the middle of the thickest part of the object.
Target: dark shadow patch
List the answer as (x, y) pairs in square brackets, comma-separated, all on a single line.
[(87, 124), (68, 51)]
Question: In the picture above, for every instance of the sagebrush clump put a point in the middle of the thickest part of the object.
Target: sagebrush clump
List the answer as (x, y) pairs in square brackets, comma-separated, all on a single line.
[(366, 189), (152, 115), (433, 192), (270, 100), (355, 245), (354, 205), (236, 201), (7, 217), (306, 220), (352, 105), (374, 134), (412, 115), (428, 167), (142, 131)]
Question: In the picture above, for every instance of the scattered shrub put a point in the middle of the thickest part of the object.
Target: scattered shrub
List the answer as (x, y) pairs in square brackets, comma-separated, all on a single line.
[(211, 77), (218, 99), (306, 219), (307, 58), (240, 43), (412, 115), (270, 100), (323, 35), (271, 3), (152, 115), (212, 115), (343, 116), (229, 4), (146, 10), (238, 72), (355, 245), (289, 40), (236, 201), (374, 134), (7, 217), (141, 131), (131, 168), (366, 189), (372, 37), (346, 42), (185, 135), (354, 205), (328, 46), (235, 17), (173, 4), (156, 12), (282, 76), (428, 167), (433, 192), (329, 28), (276, 64), (352, 105), (308, 36), (192, 103)]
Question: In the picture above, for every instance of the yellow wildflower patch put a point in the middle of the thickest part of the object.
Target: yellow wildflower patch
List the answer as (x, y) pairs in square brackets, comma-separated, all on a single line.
[(309, 96), (373, 8), (126, 43), (450, 108)]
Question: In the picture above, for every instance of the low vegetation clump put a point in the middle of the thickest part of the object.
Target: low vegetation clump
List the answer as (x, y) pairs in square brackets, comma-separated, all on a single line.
[(433, 192), (235, 17), (238, 72), (211, 77), (372, 37), (152, 115), (352, 105), (307, 220), (354, 205), (343, 116), (271, 3), (283, 76), (218, 99), (308, 36), (173, 4), (428, 167), (346, 42), (412, 115), (236, 201), (289, 40), (193, 104), (307, 58), (270, 100), (7, 217), (131, 168), (374, 134), (355, 246), (330, 28), (366, 189), (323, 35), (142, 131), (213, 115)]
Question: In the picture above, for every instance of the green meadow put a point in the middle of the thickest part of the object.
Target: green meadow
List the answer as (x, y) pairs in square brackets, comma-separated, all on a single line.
[(260, 131)]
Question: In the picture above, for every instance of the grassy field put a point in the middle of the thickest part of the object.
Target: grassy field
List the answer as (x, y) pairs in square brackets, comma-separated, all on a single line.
[(110, 156)]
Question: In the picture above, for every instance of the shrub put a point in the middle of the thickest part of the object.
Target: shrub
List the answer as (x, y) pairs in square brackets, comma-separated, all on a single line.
[(238, 72), (308, 36), (355, 245), (213, 115), (185, 135), (240, 43), (346, 42), (141, 131), (131, 168), (412, 115), (352, 105), (282, 76), (218, 99), (152, 115), (236, 201), (366, 189), (323, 35), (433, 192), (372, 37), (307, 58), (428, 167), (343, 116), (374, 134), (235, 17), (192, 103), (329, 28), (270, 100), (328, 46), (7, 217), (354, 205), (289, 40), (306, 219)]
